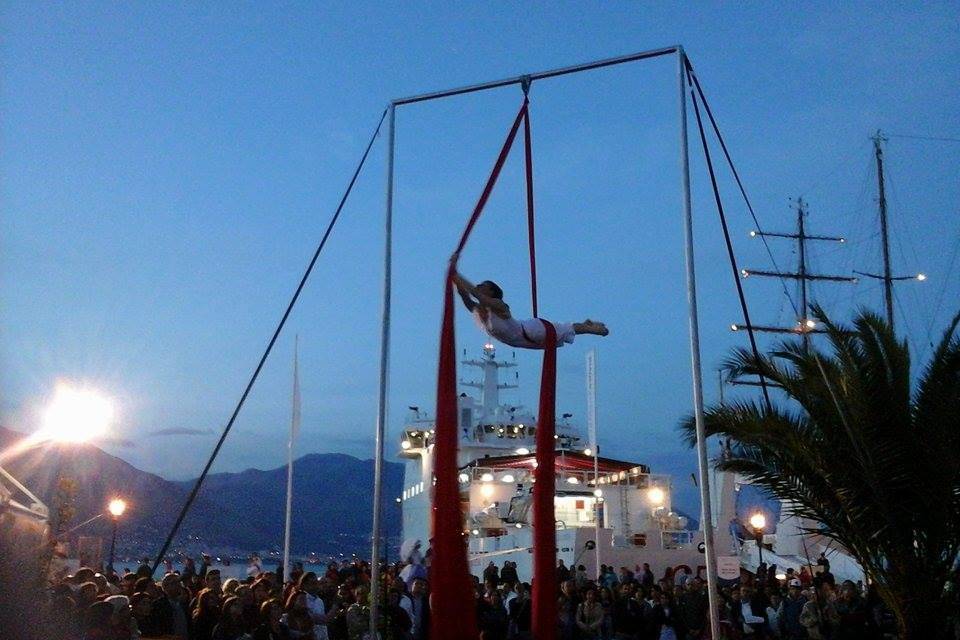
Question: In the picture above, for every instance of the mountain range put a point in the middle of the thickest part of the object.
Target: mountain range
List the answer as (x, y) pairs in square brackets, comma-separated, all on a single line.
[(234, 513)]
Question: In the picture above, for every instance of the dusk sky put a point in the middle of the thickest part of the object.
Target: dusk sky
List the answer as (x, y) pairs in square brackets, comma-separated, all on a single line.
[(166, 170)]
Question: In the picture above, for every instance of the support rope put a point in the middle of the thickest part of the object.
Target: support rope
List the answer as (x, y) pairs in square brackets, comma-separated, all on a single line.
[(729, 243), (743, 192), (266, 352), (531, 236)]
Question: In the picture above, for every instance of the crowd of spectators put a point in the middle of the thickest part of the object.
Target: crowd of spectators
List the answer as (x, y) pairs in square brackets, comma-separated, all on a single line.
[(624, 604)]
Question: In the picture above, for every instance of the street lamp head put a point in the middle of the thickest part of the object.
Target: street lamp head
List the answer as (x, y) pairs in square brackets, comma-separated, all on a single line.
[(76, 415), (758, 521), (921, 277), (116, 507)]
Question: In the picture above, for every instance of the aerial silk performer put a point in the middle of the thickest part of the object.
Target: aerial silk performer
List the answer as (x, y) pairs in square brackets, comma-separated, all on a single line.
[(453, 600), (492, 314)]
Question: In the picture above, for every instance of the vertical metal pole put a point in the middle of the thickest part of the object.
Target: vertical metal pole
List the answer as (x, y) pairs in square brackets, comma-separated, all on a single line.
[(595, 450), (702, 464), (294, 427), (802, 270), (113, 544), (384, 371), (884, 233)]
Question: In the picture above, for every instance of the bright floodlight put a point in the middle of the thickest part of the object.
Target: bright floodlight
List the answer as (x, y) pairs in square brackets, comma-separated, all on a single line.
[(117, 507), (572, 480), (758, 521), (508, 478), (588, 452), (656, 496), (76, 415), (487, 477), (406, 444), (523, 451), (486, 490), (598, 492), (921, 277), (811, 324), (734, 327), (463, 477), (753, 234)]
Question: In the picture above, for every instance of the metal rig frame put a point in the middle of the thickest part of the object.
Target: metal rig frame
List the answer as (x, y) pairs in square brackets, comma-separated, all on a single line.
[(694, 328)]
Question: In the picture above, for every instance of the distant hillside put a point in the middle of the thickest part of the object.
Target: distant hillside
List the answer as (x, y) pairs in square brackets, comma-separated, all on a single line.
[(240, 511), (332, 501)]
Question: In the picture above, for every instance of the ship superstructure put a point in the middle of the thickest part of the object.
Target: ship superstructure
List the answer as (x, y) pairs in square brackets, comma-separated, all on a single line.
[(618, 506)]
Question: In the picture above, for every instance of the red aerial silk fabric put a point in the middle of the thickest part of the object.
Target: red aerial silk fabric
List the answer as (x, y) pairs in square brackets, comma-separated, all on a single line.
[(544, 618), (453, 606)]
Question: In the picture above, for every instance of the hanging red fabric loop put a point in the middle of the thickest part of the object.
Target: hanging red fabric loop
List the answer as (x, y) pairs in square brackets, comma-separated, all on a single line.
[(544, 612), (452, 599), (531, 237)]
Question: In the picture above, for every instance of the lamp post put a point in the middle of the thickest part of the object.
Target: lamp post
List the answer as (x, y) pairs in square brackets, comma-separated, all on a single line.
[(116, 509), (758, 521)]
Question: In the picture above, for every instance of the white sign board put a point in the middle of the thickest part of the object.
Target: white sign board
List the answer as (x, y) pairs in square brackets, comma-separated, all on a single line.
[(728, 567)]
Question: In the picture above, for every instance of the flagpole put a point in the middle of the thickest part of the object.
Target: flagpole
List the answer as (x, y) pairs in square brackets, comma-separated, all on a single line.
[(594, 448), (294, 427)]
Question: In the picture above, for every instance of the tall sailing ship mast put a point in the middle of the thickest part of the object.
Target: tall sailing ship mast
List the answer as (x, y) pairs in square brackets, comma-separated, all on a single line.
[(887, 276), (806, 326)]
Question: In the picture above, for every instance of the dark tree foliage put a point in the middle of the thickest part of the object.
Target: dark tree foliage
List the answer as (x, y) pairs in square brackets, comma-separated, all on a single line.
[(865, 449)]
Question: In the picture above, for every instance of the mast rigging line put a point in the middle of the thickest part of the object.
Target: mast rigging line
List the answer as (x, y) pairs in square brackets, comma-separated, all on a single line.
[(736, 174), (266, 353), (933, 138), (726, 236)]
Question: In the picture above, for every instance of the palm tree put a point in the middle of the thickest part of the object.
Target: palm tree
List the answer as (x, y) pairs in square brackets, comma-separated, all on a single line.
[(860, 447)]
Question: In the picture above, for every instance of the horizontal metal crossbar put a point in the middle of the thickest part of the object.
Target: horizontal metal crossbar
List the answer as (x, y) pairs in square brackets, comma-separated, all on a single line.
[(541, 75)]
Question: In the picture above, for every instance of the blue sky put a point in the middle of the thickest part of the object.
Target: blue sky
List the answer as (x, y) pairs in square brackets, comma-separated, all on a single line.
[(167, 168)]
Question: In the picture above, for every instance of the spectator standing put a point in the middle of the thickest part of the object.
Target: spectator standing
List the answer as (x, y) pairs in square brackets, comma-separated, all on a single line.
[(315, 605), (792, 609), (170, 610), (520, 609), (205, 615), (420, 606), (691, 612), (590, 616), (774, 616), (271, 627), (231, 625)]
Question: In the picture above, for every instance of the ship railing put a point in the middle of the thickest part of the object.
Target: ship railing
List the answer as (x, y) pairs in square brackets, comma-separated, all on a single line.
[(566, 480)]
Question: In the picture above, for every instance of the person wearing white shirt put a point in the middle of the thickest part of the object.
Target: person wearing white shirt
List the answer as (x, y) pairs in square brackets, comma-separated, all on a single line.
[(774, 611), (315, 606)]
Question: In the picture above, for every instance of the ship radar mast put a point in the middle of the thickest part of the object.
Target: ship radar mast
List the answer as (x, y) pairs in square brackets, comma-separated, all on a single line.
[(490, 385)]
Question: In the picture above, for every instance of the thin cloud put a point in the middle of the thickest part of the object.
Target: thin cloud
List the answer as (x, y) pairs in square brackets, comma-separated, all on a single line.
[(180, 431)]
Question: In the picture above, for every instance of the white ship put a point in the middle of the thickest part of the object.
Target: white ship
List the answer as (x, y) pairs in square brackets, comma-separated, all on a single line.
[(609, 511)]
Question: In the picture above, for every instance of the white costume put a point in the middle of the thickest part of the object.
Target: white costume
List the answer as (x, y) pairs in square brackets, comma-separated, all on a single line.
[(525, 334)]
